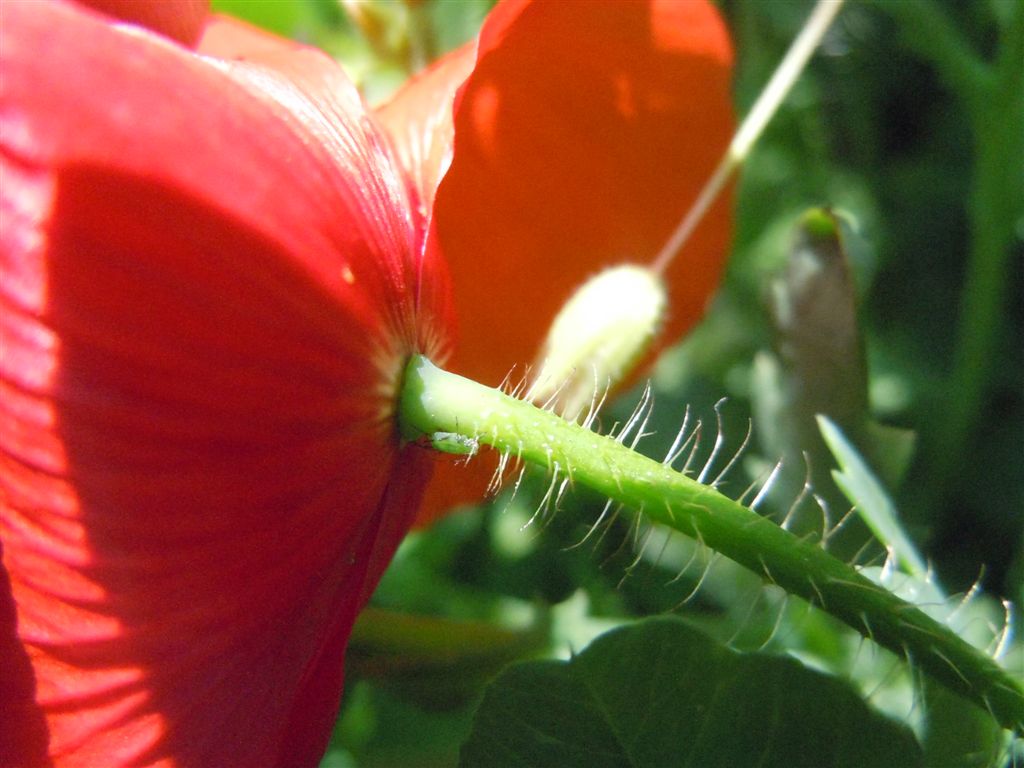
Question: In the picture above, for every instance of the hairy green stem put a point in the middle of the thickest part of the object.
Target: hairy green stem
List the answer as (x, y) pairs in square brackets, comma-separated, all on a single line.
[(435, 401)]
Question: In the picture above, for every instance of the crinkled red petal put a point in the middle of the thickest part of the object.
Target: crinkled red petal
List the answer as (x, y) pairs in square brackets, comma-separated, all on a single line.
[(418, 118), (210, 282)]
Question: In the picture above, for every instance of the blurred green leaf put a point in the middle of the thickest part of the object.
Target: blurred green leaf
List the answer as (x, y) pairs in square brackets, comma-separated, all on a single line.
[(660, 693), (283, 18), (958, 734), (435, 661), (891, 450)]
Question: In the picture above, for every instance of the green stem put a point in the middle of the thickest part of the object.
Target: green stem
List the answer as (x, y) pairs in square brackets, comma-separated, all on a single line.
[(992, 95), (434, 401), (996, 207), (930, 33)]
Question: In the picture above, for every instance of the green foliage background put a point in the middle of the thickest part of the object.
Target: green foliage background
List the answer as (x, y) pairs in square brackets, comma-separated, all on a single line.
[(888, 126)]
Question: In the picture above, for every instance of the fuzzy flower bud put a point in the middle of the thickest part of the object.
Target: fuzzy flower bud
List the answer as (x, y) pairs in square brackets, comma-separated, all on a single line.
[(599, 337)]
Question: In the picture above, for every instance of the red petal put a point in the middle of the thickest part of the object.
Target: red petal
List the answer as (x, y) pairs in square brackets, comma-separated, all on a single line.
[(418, 119), (582, 136), (206, 299), (454, 483), (181, 20)]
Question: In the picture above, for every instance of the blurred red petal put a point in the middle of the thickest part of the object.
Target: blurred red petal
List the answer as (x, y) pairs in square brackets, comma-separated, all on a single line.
[(418, 118), (210, 281), (582, 136), (181, 20), (454, 483)]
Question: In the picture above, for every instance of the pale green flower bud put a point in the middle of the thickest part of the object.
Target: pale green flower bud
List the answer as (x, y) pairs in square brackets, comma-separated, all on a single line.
[(601, 334)]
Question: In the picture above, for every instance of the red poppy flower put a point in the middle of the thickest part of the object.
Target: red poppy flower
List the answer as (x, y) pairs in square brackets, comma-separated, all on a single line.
[(578, 134), (212, 277), (212, 274)]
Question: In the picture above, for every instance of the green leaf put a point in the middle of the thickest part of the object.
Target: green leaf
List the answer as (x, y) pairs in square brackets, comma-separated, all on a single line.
[(867, 494), (959, 734), (660, 693)]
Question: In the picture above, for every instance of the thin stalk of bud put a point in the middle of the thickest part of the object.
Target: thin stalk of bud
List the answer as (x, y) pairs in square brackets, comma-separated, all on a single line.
[(753, 125)]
